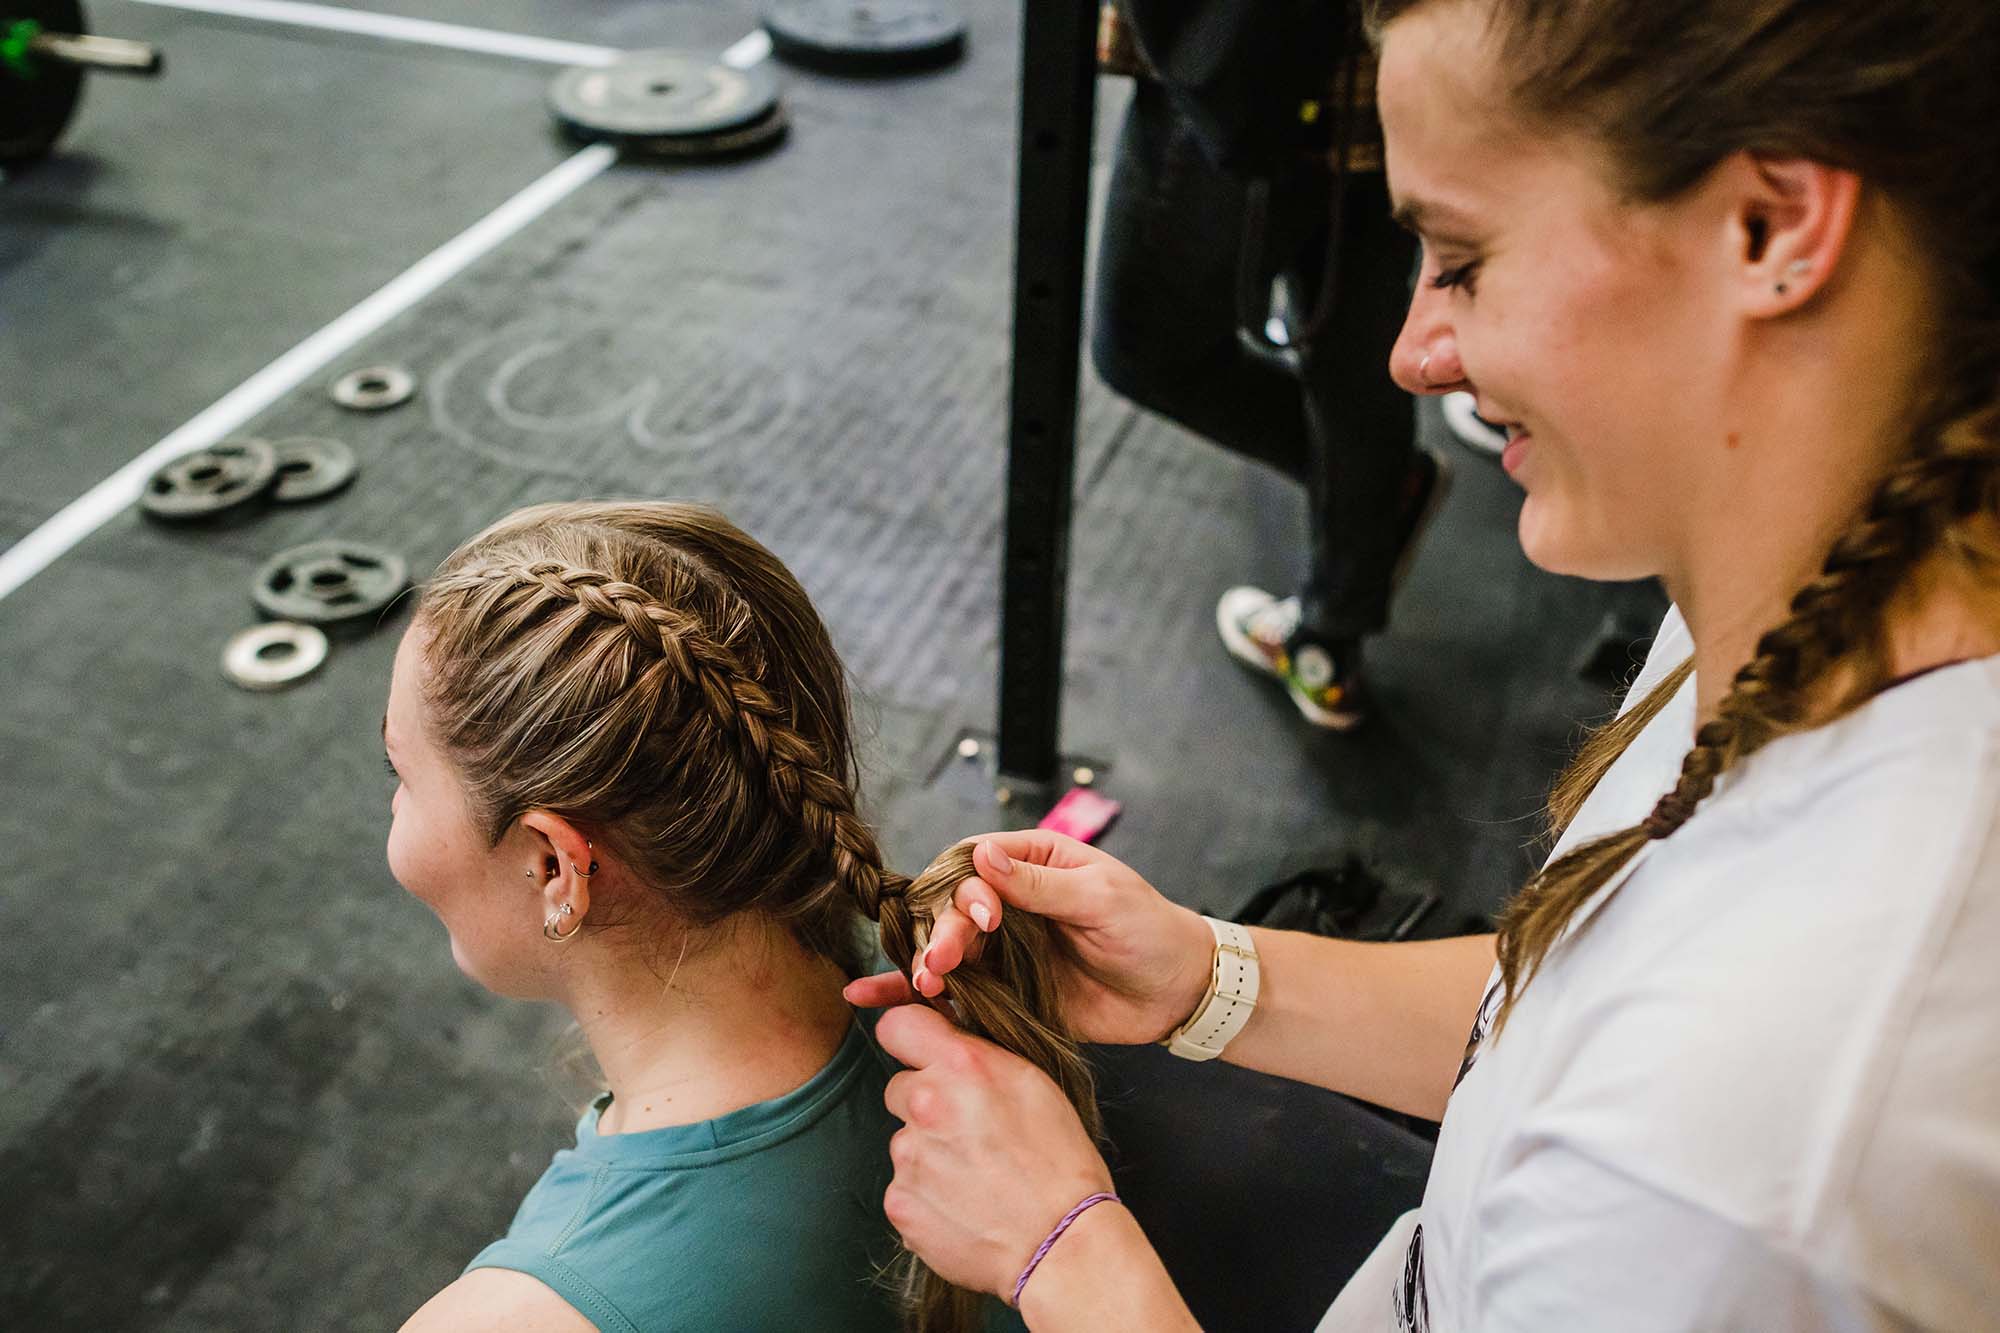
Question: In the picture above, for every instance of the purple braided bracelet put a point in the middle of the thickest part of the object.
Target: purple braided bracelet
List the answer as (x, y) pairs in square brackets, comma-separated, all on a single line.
[(1054, 1236)]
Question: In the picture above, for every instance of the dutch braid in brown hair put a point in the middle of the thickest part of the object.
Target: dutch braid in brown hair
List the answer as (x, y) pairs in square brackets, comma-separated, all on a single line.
[(1902, 92), (649, 671)]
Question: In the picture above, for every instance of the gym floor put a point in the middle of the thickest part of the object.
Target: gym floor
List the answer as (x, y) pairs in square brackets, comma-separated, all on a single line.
[(242, 1085)]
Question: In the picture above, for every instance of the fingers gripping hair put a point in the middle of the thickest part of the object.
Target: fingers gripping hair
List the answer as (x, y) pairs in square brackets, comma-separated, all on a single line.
[(1008, 995)]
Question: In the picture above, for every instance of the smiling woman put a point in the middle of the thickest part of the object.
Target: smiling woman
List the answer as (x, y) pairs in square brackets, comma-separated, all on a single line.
[(1728, 272)]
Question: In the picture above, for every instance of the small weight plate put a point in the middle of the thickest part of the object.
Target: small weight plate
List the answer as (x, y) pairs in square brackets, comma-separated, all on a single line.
[(745, 139), (865, 36), (650, 96), (211, 482), (326, 582), (374, 388), (272, 656), (37, 97), (310, 468)]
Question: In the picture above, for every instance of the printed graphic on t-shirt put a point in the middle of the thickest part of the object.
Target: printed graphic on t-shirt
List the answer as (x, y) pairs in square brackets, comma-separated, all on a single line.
[(1413, 1308), (1482, 1023)]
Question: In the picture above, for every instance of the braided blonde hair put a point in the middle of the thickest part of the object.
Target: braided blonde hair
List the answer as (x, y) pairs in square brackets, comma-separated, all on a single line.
[(650, 672)]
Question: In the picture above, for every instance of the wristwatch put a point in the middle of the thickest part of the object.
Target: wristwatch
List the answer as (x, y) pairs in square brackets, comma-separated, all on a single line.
[(1230, 1000)]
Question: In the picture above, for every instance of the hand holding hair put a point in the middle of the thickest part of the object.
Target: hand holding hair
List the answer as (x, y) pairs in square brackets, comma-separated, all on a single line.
[(991, 1154), (1129, 965)]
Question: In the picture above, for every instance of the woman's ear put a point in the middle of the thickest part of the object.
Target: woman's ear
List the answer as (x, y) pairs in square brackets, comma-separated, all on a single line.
[(565, 862), (1788, 225)]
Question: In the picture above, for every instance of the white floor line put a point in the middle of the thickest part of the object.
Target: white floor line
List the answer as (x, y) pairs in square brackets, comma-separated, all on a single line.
[(395, 28), (110, 497)]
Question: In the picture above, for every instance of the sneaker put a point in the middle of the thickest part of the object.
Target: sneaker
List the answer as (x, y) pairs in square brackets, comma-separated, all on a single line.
[(1261, 631), (1472, 430)]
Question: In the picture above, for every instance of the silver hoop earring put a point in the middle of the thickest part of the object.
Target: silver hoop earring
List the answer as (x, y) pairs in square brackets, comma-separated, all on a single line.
[(549, 931)]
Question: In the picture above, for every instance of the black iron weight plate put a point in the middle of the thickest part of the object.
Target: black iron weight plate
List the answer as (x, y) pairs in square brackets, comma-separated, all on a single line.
[(311, 468), (865, 36), (37, 97), (211, 482), (652, 98), (325, 582)]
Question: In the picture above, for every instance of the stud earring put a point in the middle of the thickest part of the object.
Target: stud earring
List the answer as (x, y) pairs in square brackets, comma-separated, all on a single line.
[(1798, 268)]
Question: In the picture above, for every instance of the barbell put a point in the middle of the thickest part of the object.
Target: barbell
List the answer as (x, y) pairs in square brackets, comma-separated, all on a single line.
[(45, 49)]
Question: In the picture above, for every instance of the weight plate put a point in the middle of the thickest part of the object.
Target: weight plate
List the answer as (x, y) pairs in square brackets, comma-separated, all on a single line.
[(865, 36), (270, 657), (745, 139), (661, 95), (37, 97), (310, 468), (211, 482), (323, 583), (374, 388)]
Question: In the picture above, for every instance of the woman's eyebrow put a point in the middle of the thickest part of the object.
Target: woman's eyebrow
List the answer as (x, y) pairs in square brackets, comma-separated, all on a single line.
[(1424, 217)]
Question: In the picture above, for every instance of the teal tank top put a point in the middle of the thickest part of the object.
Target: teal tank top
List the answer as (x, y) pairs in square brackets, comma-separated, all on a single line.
[(767, 1218)]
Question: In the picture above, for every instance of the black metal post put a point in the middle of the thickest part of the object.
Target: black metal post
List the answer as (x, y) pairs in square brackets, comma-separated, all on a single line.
[(1058, 108)]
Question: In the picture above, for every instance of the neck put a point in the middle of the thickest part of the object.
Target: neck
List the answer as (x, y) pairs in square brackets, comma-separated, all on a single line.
[(743, 1016), (1808, 426)]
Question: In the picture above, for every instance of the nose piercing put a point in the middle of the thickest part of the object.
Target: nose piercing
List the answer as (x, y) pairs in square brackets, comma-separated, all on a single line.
[(1424, 369)]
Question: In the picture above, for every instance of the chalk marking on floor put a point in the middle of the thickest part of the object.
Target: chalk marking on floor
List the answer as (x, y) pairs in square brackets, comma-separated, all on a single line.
[(396, 28), (112, 496)]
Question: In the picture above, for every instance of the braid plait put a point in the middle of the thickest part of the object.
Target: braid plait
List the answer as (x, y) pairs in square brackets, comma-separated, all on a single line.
[(1834, 625), (796, 776)]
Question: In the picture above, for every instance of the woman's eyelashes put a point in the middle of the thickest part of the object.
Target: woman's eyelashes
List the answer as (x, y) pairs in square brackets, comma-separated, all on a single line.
[(390, 765), (1464, 276)]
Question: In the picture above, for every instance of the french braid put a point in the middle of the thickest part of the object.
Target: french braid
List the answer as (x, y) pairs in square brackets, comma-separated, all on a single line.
[(650, 671)]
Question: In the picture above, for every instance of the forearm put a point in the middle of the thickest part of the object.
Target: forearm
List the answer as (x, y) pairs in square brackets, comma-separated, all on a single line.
[(1103, 1276), (1383, 1022)]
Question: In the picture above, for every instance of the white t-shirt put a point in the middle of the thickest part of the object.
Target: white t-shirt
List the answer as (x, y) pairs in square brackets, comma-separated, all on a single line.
[(1758, 1085)]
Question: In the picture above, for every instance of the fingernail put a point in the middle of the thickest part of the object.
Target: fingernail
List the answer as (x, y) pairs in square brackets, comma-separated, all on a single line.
[(999, 859), (918, 980), (981, 915)]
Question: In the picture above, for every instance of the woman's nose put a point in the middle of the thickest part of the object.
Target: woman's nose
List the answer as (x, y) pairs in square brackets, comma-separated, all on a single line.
[(1425, 357)]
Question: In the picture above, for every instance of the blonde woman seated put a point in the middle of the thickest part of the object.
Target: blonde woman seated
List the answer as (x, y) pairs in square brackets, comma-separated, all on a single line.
[(627, 787)]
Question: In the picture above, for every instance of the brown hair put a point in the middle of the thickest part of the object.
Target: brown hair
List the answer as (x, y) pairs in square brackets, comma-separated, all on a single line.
[(1905, 95), (650, 672)]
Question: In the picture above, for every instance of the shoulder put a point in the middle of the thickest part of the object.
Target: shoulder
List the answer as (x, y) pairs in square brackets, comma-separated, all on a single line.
[(498, 1298)]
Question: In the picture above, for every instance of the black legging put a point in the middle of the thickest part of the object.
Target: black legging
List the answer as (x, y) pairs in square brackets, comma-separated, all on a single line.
[(1262, 1196), (1166, 337)]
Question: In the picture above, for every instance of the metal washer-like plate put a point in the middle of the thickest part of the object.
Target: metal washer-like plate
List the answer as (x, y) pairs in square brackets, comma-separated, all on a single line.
[(311, 468), (651, 95), (272, 656), (374, 388), (209, 483), (865, 36), (326, 582)]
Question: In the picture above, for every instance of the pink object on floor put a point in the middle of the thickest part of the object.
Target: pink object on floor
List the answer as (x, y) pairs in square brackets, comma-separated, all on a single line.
[(1082, 814)]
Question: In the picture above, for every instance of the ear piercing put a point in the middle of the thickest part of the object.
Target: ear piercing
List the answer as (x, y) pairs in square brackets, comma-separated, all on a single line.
[(580, 874), (549, 927), (1798, 268)]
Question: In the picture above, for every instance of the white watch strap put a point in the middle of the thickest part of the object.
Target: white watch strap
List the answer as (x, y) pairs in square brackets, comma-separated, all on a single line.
[(1231, 997)]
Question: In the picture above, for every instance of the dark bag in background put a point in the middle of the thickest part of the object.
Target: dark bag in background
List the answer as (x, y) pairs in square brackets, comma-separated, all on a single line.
[(1250, 76)]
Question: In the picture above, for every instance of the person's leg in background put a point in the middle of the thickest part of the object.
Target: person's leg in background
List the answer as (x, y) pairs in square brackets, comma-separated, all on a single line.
[(1370, 489), (1166, 336)]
